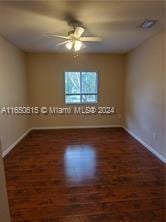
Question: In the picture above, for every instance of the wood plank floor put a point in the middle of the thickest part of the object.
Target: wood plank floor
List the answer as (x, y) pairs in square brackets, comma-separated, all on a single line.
[(84, 175)]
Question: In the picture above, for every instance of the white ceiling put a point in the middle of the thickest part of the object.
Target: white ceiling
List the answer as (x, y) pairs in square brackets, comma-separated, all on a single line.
[(25, 22)]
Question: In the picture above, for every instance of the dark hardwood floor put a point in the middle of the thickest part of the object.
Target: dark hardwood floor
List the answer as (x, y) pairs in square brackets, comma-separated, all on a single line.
[(84, 175)]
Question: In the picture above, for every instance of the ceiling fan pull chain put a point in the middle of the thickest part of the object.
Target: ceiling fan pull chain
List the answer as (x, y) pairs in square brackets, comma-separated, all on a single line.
[(76, 55)]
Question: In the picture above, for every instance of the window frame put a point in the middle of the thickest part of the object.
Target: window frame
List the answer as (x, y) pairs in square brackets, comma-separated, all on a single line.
[(81, 94)]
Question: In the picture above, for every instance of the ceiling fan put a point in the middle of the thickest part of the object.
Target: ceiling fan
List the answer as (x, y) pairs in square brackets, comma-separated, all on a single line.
[(74, 39)]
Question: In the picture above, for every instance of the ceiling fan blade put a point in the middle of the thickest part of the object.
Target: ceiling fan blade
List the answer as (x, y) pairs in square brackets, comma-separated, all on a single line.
[(58, 36), (62, 43), (78, 32), (90, 39)]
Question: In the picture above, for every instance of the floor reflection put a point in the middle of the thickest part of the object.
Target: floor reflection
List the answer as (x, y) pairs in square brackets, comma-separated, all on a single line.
[(80, 162)]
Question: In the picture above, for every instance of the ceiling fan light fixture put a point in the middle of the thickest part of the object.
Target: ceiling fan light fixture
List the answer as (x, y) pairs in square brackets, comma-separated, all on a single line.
[(69, 45), (77, 45)]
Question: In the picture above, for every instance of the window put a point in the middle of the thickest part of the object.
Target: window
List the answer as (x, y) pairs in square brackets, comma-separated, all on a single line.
[(81, 87)]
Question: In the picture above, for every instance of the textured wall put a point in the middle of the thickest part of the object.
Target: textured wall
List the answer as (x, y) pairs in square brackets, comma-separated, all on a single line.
[(46, 85), (145, 93), (13, 92)]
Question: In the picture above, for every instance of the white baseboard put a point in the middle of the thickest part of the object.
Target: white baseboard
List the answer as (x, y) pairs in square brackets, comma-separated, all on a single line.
[(53, 127), (151, 149), (76, 127), (6, 151)]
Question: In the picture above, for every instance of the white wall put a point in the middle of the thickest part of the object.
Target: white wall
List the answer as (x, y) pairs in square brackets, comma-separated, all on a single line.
[(165, 85), (13, 92), (145, 93), (4, 208), (46, 86)]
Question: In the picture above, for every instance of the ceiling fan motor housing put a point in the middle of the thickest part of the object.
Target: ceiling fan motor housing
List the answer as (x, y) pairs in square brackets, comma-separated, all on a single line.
[(76, 23), (71, 32)]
